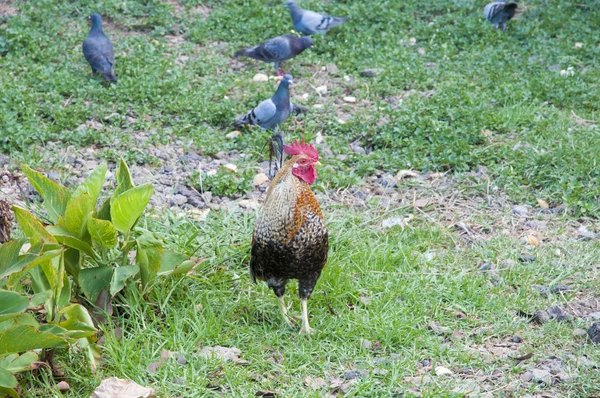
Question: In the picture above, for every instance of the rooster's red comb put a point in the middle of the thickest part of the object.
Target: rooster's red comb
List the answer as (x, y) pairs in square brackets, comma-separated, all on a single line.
[(297, 148)]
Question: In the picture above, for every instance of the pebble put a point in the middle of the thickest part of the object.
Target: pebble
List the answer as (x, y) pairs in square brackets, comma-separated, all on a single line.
[(321, 90), (585, 234), (179, 200), (594, 332), (260, 179), (372, 72), (220, 155), (521, 210), (442, 371), (541, 376), (233, 134), (230, 167), (356, 148), (352, 374), (580, 332), (350, 99), (260, 77)]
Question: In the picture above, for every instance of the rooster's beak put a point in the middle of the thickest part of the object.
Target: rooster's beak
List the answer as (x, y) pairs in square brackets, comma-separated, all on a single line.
[(317, 163)]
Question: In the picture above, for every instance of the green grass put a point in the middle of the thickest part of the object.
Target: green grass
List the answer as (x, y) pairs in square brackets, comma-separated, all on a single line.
[(482, 80), (426, 111)]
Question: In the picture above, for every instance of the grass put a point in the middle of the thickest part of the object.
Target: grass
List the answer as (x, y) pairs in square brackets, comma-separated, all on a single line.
[(453, 94)]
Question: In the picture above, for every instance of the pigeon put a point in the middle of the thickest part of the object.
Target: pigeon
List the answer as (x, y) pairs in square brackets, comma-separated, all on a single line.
[(310, 22), (272, 112), (98, 50), (499, 13), (277, 50)]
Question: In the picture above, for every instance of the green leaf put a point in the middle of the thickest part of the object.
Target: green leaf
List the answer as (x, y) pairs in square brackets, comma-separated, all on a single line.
[(9, 254), (129, 206), (104, 212), (31, 259), (15, 363), (12, 302), (93, 183), (94, 280), (102, 232), (40, 299), (7, 380), (120, 277), (66, 238), (72, 265), (171, 260), (148, 257), (77, 319), (55, 196), (76, 215), (32, 228), (8, 321), (26, 337), (124, 181)]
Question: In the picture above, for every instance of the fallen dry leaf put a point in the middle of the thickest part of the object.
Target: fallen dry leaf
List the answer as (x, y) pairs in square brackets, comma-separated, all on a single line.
[(260, 77), (487, 133), (115, 387), (543, 204), (402, 174), (153, 367), (315, 383), (420, 203), (532, 240), (224, 353)]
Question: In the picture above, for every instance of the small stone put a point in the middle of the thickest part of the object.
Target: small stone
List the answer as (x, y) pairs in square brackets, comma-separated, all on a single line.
[(366, 344), (259, 179), (516, 339), (421, 51), (63, 386), (260, 77), (402, 174), (521, 210), (526, 377), (540, 317), (233, 134), (442, 371), (317, 106), (580, 333), (541, 376), (331, 68), (594, 332), (352, 374), (350, 99), (392, 222), (371, 72), (436, 328), (557, 313), (412, 41), (346, 78), (178, 200), (356, 148), (527, 259), (321, 90), (181, 360), (585, 234), (578, 45)]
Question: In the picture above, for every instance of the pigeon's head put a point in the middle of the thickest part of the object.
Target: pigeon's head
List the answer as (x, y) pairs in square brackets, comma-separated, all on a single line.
[(287, 80), (95, 19), (290, 4), (307, 42)]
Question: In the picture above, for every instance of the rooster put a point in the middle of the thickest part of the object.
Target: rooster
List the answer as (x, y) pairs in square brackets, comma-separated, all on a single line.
[(290, 240)]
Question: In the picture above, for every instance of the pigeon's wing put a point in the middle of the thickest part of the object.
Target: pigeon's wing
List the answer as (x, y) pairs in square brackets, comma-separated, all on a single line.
[(278, 48), (260, 115), (493, 11), (99, 53), (313, 22)]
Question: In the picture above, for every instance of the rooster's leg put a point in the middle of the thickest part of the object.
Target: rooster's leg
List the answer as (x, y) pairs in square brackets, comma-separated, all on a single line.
[(305, 326), (284, 311)]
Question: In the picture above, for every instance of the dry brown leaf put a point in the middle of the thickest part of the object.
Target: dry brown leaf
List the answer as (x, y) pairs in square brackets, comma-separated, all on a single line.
[(115, 387), (487, 133), (543, 204), (153, 367), (420, 203), (532, 240), (315, 383)]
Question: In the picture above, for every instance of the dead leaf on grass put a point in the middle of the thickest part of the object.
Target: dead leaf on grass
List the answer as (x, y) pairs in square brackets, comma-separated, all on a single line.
[(420, 203), (315, 383), (522, 357), (223, 353), (115, 387), (532, 240), (154, 366), (543, 204)]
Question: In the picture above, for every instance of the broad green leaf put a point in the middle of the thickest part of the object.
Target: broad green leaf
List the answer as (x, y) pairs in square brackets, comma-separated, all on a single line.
[(64, 297), (32, 228), (15, 363), (12, 302), (129, 206), (26, 337), (93, 183), (8, 321), (124, 181), (77, 321), (120, 277), (72, 266), (55, 196), (148, 258), (7, 380), (102, 232), (76, 215), (28, 261), (170, 260), (66, 238), (40, 299), (185, 267), (8, 392), (94, 280), (92, 352), (9, 254)]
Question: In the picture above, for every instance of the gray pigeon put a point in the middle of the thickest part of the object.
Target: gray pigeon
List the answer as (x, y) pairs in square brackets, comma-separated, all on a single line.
[(98, 50), (272, 112), (499, 13), (277, 50), (310, 22)]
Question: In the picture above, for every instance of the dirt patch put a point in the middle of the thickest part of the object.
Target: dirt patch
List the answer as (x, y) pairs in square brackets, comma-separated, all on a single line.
[(8, 9)]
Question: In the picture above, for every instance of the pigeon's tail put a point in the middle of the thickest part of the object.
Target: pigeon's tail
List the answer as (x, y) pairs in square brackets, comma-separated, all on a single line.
[(240, 53), (243, 120), (337, 21)]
